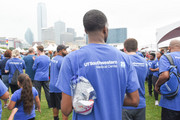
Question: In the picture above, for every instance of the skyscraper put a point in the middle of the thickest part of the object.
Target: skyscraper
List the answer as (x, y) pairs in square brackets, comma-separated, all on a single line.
[(117, 35), (59, 28), (29, 37), (41, 19)]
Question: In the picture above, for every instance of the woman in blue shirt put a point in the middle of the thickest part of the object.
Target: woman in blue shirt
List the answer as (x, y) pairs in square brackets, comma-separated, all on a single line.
[(23, 99)]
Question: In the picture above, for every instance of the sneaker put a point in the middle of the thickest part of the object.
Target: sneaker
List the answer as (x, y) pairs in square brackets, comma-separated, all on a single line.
[(5, 106), (156, 102)]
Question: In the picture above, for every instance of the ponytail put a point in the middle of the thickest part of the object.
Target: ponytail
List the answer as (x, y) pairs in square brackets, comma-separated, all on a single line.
[(26, 93)]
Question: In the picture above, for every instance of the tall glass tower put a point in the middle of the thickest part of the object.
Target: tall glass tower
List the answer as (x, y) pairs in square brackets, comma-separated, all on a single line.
[(41, 19), (29, 36)]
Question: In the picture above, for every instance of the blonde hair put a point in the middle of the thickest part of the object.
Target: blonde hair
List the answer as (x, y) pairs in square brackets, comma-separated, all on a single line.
[(15, 53)]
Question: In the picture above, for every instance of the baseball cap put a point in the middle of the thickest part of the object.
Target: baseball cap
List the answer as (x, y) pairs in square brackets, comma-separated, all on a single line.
[(61, 47)]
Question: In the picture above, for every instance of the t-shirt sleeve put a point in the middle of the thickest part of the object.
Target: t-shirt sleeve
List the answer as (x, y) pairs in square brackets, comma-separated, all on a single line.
[(3, 88), (35, 92), (14, 96), (65, 75), (24, 66), (132, 82), (35, 64), (163, 64), (7, 66), (152, 65)]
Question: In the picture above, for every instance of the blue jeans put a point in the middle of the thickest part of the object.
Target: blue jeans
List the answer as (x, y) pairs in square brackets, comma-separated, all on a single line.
[(5, 79)]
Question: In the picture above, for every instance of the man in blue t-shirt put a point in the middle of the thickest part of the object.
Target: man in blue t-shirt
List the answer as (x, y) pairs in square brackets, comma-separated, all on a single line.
[(140, 64), (150, 73), (170, 107), (41, 68), (155, 69), (55, 93), (108, 70), (29, 63), (4, 94)]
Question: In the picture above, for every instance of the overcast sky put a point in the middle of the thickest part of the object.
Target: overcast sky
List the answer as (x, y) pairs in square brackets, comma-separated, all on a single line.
[(140, 17)]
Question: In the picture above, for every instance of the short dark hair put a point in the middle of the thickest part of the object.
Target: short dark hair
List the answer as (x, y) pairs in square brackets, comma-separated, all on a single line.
[(153, 54), (94, 20), (131, 45), (8, 53), (40, 48)]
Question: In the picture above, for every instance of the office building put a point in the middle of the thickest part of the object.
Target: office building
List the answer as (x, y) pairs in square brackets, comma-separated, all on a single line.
[(59, 28), (29, 37)]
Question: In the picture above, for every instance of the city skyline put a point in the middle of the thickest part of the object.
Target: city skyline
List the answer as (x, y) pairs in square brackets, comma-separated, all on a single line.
[(140, 17)]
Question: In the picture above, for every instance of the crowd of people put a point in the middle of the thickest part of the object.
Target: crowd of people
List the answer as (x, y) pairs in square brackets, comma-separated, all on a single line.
[(118, 78)]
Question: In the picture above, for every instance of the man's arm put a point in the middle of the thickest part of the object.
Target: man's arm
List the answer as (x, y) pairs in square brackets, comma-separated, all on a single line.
[(5, 96), (163, 77), (154, 70), (132, 99), (66, 104)]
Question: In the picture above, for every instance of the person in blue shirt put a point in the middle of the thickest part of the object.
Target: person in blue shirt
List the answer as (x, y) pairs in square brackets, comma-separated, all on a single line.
[(155, 69), (29, 63), (23, 99), (140, 64), (55, 93), (150, 73), (108, 70), (5, 76), (170, 107), (41, 68), (140, 54), (13, 64), (4, 94)]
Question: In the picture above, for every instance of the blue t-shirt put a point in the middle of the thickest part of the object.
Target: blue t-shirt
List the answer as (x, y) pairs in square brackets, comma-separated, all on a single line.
[(55, 68), (140, 65), (108, 70), (149, 62), (173, 104), (29, 63), (155, 64), (21, 115), (12, 65), (3, 90), (41, 68), (140, 54)]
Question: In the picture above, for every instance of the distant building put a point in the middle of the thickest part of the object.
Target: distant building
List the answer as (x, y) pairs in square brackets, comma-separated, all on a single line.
[(71, 30), (48, 34), (118, 35), (29, 37), (59, 28), (66, 38), (41, 19)]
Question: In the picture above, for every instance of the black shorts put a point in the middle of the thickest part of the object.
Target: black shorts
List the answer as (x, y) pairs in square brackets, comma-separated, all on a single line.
[(55, 99)]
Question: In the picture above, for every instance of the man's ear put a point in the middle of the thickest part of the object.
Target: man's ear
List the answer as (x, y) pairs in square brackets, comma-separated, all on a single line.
[(125, 50)]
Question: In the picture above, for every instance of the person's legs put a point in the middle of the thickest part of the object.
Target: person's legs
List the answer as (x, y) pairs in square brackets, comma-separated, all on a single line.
[(13, 88), (150, 84), (37, 85), (46, 90), (127, 114), (140, 114), (154, 80), (6, 82), (167, 114)]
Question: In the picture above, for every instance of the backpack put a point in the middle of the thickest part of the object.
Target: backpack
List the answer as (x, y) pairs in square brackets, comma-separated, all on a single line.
[(170, 88), (15, 77)]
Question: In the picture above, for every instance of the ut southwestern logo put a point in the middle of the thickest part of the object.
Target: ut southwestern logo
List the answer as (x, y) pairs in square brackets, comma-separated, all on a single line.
[(105, 64)]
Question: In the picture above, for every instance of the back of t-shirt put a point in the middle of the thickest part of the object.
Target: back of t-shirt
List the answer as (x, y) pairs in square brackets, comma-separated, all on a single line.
[(172, 104), (109, 71), (141, 67), (41, 68), (29, 63)]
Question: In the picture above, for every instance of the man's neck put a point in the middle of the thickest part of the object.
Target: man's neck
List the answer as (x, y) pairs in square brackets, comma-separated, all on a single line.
[(31, 53), (41, 53), (131, 53), (96, 38)]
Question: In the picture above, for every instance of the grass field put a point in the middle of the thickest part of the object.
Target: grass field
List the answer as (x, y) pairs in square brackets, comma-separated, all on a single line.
[(152, 112)]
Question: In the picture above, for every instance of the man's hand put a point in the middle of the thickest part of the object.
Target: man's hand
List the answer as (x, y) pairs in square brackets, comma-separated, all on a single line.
[(33, 57), (157, 88)]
